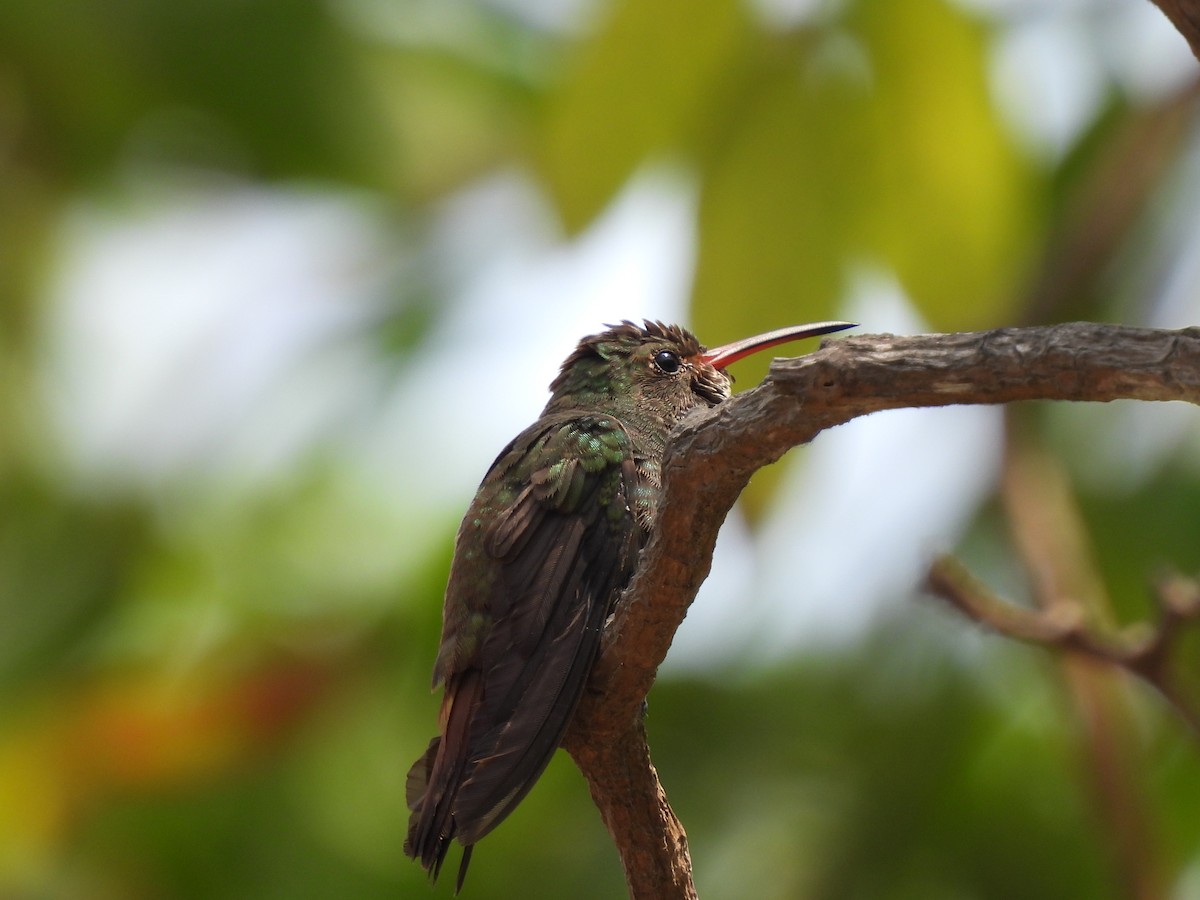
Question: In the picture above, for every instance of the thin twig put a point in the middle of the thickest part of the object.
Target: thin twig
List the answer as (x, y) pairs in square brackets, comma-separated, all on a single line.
[(1142, 649)]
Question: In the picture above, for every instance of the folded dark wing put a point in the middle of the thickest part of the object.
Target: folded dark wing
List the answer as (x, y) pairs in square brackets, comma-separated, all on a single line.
[(548, 544), (567, 545)]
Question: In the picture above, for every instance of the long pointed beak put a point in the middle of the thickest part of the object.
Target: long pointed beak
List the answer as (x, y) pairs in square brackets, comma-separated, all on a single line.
[(720, 357)]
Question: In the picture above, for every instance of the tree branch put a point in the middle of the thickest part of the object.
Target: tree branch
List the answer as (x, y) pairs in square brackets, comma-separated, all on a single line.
[(634, 807), (1051, 542), (1185, 16), (1143, 650), (713, 455)]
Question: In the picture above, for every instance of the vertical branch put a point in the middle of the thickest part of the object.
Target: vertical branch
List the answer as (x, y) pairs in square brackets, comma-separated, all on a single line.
[(625, 788), (1178, 601), (1051, 540)]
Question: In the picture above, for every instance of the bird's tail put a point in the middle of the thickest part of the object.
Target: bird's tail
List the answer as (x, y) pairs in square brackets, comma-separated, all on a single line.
[(434, 780)]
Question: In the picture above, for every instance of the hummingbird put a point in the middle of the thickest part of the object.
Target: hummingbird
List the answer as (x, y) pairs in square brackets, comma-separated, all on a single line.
[(548, 544)]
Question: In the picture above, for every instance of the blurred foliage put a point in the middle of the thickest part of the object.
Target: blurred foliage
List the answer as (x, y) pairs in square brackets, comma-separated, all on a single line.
[(209, 690)]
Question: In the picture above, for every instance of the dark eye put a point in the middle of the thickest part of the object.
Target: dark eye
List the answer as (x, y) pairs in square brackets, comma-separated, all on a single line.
[(666, 361)]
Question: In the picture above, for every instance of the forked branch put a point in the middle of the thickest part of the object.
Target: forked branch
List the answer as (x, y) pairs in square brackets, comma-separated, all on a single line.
[(1144, 650)]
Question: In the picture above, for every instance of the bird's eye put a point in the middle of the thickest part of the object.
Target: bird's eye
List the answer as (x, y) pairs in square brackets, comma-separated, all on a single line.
[(666, 361)]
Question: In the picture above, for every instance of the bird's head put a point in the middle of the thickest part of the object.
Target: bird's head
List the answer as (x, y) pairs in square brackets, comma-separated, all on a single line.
[(657, 369)]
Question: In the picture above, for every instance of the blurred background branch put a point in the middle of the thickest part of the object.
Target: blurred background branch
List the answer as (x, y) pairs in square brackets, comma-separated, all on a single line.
[(1145, 651)]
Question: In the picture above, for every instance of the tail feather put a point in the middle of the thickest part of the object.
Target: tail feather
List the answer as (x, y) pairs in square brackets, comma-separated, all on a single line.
[(462, 867), (511, 757), (433, 780), (418, 776)]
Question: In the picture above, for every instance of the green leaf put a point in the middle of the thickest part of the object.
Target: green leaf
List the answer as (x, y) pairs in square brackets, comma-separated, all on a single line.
[(448, 119), (771, 223), (871, 139), (638, 87), (268, 83), (950, 206)]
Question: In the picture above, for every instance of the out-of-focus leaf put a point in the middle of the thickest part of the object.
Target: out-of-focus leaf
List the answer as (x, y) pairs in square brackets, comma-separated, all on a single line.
[(270, 76), (637, 87), (33, 808), (949, 205), (61, 565), (165, 845), (450, 120), (77, 91), (274, 70), (772, 225), (137, 734), (868, 140)]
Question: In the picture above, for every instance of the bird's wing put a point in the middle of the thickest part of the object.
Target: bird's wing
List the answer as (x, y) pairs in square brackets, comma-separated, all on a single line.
[(544, 550)]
